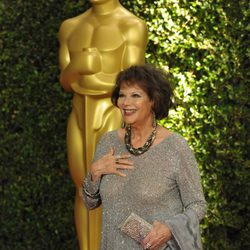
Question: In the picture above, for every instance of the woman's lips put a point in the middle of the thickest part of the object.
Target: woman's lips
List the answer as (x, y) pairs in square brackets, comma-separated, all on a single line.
[(128, 111)]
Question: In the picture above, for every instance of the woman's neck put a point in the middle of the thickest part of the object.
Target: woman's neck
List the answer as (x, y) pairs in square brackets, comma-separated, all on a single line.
[(141, 132)]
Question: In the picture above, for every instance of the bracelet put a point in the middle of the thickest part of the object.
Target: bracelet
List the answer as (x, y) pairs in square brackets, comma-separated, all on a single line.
[(95, 195)]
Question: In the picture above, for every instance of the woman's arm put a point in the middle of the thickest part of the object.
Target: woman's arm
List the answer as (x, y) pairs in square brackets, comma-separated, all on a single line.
[(189, 181), (104, 163), (185, 226)]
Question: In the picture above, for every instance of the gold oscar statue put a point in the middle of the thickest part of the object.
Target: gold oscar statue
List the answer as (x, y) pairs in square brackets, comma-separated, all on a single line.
[(94, 47)]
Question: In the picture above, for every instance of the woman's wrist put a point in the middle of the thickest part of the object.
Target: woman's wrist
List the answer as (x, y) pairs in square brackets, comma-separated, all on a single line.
[(90, 188)]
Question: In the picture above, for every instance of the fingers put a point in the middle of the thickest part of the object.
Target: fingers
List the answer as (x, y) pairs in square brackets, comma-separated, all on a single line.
[(120, 174), (157, 237), (117, 158), (122, 156), (146, 241), (112, 163), (147, 246), (123, 159), (123, 165)]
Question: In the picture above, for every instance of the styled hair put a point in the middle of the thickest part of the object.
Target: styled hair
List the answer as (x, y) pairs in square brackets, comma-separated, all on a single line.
[(154, 81)]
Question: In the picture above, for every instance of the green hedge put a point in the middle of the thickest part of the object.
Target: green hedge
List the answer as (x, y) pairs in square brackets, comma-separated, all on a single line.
[(204, 44)]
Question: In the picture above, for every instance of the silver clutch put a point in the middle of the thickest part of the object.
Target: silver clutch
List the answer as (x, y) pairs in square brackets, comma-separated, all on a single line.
[(136, 228)]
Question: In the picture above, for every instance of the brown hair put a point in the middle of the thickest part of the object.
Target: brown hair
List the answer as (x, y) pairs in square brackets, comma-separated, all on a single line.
[(155, 82)]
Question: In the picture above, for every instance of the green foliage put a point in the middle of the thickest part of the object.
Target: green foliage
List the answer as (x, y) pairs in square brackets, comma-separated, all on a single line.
[(203, 44)]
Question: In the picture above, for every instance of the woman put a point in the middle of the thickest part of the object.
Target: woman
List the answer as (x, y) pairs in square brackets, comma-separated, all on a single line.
[(145, 169)]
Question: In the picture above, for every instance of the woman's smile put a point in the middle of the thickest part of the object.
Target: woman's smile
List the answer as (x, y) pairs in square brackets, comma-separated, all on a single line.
[(129, 111)]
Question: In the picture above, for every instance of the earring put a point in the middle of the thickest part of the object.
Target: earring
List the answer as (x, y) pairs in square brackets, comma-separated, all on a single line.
[(123, 125), (154, 123)]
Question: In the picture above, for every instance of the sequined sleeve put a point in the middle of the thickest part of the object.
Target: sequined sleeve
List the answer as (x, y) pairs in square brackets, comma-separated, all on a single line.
[(90, 189), (185, 226), (90, 193), (189, 181)]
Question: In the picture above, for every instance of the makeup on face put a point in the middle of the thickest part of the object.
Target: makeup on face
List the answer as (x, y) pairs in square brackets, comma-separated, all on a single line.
[(134, 104)]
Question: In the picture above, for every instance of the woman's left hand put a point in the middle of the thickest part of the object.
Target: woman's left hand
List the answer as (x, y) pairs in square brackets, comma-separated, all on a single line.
[(157, 237)]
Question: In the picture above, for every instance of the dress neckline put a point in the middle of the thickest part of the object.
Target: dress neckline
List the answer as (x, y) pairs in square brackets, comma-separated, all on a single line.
[(165, 139)]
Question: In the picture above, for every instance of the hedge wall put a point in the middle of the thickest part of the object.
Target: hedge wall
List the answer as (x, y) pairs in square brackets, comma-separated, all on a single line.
[(205, 46)]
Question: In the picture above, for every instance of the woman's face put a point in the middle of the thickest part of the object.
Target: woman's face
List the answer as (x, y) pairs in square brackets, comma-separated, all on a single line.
[(135, 105)]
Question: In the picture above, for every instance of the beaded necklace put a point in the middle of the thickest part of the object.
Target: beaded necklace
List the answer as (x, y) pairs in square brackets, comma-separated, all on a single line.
[(144, 148)]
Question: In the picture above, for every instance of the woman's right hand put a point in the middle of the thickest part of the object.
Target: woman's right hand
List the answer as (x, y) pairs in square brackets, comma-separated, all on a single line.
[(110, 164)]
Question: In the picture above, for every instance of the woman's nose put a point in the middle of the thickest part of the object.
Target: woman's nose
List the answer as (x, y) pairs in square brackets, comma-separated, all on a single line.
[(126, 101)]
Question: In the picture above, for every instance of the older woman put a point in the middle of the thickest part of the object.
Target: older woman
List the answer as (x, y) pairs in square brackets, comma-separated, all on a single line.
[(144, 168)]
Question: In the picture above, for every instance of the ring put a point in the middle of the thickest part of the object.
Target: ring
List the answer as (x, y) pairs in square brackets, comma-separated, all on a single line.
[(117, 158), (148, 246)]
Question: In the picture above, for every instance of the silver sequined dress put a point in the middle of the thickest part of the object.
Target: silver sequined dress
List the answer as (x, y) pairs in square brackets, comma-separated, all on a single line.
[(164, 185)]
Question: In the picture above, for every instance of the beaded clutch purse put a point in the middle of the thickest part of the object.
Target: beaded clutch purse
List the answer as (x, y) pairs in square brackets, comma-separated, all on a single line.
[(136, 228)]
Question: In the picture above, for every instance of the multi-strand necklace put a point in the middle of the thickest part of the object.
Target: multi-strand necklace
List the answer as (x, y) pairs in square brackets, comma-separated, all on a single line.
[(145, 147)]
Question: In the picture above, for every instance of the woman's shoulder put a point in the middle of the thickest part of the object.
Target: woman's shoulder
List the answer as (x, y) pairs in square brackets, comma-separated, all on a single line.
[(181, 144), (109, 136), (174, 137)]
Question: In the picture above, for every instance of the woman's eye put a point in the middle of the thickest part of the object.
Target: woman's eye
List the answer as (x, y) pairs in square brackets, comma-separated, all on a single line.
[(120, 95), (136, 95)]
